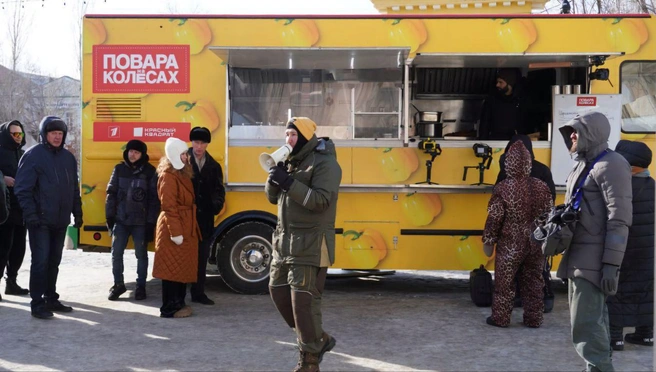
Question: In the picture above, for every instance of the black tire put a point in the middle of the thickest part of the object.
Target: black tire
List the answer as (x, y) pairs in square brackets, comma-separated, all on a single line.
[(244, 257)]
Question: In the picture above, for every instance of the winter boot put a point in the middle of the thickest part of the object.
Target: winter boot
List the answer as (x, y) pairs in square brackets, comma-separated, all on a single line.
[(185, 312), (329, 344), (617, 345), (116, 291), (13, 288), (634, 338), (140, 293), (307, 362)]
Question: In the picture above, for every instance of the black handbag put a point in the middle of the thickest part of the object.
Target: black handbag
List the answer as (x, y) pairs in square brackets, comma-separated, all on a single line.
[(481, 287)]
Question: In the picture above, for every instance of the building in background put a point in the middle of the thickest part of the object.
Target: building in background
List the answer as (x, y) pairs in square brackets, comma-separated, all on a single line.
[(29, 97)]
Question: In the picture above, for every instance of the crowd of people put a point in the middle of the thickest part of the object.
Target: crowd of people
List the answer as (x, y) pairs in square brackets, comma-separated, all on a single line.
[(608, 264), (612, 195)]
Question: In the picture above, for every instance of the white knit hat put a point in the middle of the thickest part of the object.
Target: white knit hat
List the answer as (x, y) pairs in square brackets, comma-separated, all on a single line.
[(173, 148)]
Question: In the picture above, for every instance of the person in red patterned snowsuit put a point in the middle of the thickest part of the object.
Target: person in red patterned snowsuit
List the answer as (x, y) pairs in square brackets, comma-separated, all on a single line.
[(515, 204)]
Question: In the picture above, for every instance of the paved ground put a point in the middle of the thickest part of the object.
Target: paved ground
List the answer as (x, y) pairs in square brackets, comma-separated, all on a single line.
[(405, 322)]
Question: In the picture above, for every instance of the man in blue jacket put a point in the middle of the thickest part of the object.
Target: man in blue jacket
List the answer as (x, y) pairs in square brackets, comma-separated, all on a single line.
[(48, 192)]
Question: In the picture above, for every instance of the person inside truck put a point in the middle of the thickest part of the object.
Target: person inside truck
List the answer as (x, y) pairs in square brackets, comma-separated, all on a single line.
[(503, 111)]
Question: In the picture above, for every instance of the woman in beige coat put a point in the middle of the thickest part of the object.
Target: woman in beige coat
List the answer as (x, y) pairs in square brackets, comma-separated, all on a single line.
[(176, 241)]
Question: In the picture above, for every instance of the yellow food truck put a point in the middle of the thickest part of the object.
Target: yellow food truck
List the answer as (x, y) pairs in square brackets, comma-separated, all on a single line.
[(400, 94)]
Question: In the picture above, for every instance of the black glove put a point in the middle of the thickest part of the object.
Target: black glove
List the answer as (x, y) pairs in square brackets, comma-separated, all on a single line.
[(78, 222), (610, 277), (279, 176), (33, 224), (110, 225), (149, 236)]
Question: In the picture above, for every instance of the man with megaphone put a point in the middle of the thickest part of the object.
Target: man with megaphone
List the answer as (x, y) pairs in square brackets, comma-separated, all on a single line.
[(305, 189)]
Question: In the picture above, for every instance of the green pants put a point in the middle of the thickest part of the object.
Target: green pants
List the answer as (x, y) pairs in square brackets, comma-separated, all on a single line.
[(590, 325), (296, 291)]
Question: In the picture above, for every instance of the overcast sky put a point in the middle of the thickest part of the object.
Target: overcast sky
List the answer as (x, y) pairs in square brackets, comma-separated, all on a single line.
[(50, 47)]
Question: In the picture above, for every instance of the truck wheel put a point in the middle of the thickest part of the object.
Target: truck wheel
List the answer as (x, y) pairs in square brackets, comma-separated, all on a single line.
[(244, 257)]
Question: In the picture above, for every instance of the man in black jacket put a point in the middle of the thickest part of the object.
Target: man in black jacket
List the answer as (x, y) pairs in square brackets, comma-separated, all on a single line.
[(12, 232), (210, 197), (48, 191), (131, 208), (4, 202), (503, 111)]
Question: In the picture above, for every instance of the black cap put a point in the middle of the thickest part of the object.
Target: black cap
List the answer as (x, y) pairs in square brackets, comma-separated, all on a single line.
[(137, 145), (509, 75), (200, 134), (636, 153)]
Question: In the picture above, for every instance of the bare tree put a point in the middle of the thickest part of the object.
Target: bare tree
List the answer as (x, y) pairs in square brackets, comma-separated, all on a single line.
[(17, 34), (609, 6)]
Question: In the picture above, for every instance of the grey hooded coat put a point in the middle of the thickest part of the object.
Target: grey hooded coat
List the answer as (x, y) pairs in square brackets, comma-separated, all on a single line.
[(601, 233)]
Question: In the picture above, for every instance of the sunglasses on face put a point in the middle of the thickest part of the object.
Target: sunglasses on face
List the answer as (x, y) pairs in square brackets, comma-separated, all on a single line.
[(17, 134)]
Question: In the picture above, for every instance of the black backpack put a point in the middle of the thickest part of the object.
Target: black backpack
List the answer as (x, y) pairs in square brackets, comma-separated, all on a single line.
[(481, 287)]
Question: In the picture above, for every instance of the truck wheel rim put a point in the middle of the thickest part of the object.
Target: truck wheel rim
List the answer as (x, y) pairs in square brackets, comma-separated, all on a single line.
[(250, 258)]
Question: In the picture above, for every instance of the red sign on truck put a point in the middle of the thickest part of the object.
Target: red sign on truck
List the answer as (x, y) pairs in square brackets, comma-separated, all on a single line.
[(146, 132), (141, 69), (586, 101)]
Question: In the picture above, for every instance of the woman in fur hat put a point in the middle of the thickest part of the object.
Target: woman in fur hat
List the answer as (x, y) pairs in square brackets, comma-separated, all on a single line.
[(176, 241)]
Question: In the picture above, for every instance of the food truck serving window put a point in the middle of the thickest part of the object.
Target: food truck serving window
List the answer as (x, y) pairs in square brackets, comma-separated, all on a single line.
[(345, 103), (638, 81), (349, 93)]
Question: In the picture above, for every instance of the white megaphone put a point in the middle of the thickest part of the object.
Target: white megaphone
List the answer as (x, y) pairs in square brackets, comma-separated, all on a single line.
[(268, 161)]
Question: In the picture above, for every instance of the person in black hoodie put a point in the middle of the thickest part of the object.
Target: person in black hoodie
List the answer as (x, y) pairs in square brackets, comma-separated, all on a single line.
[(633, 304), (12, 232), (210, 197), (48, 191), (131, 209), (541, 172), (4, 202), (503, 112)]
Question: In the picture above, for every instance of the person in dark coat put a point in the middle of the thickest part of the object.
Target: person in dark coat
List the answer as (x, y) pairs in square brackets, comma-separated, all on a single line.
[(503, 114), (4, 202), (48, 191), (633, 305), (210, 197), (515, 204), (12, 232), (541, 172), (131, 209)]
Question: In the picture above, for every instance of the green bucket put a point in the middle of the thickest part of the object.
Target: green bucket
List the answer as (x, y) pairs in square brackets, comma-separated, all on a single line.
[(72, 235)]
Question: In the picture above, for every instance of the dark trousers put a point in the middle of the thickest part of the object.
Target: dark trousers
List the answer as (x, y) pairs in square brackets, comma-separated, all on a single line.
[(46, 245), (120, 237), (617, 333), (12, 249), (198, 288), (173, 298)]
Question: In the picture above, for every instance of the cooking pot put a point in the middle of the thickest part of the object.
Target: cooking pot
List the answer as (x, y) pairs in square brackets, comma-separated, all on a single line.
[(428, 123), (429, 129)]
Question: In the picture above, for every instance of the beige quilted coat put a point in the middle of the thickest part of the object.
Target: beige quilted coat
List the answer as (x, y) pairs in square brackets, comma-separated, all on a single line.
[(178, 263)]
